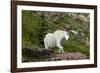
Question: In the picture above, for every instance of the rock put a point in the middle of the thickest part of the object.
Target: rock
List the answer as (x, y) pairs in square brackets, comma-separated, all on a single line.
[(43, 53), (78, 55), (49, 55), (69, 56)]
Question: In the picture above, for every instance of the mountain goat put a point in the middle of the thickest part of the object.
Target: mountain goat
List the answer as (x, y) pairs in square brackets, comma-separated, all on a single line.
[(55, 39)]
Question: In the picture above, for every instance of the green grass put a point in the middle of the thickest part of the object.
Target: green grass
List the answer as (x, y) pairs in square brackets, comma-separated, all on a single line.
[(35, 27), (75, 46)]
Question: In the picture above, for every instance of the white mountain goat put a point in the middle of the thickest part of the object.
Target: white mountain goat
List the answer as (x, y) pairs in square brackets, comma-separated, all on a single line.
[(55, 39)]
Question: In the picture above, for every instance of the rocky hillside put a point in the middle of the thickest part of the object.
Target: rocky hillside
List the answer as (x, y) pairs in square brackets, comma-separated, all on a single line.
[(36, 24)]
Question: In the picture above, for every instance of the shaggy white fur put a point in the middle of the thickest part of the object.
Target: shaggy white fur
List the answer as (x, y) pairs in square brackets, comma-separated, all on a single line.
[(55, 39)]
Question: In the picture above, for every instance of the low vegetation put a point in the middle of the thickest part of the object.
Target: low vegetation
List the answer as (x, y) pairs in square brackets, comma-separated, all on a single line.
[(36, 24)]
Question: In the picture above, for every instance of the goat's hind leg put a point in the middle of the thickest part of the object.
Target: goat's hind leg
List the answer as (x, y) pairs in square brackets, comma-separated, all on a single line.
[(46, 45)]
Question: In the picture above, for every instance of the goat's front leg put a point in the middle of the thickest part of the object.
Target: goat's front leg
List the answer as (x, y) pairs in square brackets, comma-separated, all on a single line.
[(61, 50)]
